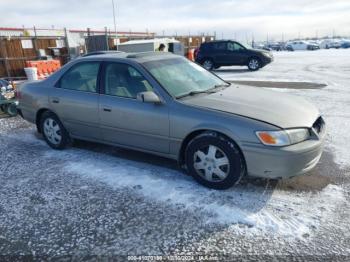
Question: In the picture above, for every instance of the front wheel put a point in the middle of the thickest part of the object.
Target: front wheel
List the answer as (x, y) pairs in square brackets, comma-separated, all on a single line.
[(55, 135), (214, 161), (254, 64)]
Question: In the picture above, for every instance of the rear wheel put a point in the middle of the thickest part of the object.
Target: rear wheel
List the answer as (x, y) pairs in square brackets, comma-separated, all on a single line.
[(55, 135), (254, 64), (208, 64), (214, 161)]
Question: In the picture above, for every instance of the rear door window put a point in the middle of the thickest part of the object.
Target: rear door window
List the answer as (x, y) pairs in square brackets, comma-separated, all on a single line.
[(220, 46), (231, 46), (81, 77)]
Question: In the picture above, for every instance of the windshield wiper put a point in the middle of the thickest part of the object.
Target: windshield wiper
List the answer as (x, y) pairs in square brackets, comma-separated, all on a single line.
[(192, 93), (208, 91), (223, 85)]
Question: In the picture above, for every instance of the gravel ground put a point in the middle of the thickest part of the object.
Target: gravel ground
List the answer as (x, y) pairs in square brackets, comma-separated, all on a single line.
[(94, 201)]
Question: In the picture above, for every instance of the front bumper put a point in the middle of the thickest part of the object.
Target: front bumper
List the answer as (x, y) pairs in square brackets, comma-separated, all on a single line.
[(284, 162), (267, 60)]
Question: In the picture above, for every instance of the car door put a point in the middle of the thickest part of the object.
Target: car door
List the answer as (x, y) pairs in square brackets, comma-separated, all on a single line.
[(219, 53), (126, 121), (75, 100), (303, 46), (236, 54), (298, 46)]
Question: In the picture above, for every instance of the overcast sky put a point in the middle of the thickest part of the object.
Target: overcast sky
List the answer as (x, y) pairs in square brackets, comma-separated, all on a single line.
[(230, 18)]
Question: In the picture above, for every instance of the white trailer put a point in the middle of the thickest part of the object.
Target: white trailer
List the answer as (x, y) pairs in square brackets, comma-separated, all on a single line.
[(151, 45)]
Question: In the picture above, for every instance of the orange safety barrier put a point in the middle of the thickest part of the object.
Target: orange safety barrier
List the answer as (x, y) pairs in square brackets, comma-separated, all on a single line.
[(190, 54), (44, 67)]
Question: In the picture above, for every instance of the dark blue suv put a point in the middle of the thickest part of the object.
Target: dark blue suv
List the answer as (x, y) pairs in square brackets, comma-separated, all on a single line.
[(212, 55)]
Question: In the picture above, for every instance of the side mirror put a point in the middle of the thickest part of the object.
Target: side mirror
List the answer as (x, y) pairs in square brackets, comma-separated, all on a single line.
[(148, 97)]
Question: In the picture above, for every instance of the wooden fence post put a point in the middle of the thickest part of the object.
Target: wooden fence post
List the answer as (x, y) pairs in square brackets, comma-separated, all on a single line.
[(6, 62), (67, 43), (35, 44)]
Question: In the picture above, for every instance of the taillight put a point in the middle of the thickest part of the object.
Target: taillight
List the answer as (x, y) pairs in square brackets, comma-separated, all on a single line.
[(196, 51)]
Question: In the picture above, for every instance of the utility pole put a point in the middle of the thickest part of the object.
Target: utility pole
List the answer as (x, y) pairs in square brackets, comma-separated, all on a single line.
[(115, 25), (267, 38)]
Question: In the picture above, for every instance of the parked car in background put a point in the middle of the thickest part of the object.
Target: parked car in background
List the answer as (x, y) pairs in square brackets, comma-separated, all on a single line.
[(345, 44), (275, 46), (336, 44), (212, 55), (169, 106), (301, 45)]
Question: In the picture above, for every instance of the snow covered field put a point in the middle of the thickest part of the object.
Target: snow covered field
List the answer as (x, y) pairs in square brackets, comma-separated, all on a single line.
[(99, 200)]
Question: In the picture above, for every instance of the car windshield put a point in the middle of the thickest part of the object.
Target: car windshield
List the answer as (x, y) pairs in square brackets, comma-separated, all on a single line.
[(246, 45), (181, 78)]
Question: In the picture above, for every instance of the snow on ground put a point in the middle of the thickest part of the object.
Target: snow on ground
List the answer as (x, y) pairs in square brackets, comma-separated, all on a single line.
[(250, 209), (148, 206)]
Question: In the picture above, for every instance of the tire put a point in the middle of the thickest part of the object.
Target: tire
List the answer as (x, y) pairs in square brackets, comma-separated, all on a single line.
[(254, 64), (208, 64), (11, 109), (55, 135), (214, 161)]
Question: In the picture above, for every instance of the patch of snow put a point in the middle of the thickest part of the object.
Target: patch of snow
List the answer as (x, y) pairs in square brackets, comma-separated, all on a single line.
[(261, 210)]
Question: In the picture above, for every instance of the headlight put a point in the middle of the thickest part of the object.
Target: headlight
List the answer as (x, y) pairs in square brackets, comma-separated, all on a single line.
[(3, 89), (283, 137)]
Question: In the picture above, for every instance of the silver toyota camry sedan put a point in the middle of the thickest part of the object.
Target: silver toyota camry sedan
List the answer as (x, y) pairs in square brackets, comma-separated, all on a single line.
[(166, 105)]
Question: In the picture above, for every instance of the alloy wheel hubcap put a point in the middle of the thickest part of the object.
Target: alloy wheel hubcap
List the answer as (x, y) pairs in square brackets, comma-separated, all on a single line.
[(254, 64), (52, 131), (207, 64), (211, 163)]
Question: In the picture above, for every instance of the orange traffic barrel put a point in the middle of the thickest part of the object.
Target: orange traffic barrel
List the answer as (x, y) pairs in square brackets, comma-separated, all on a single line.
[(190, 54)]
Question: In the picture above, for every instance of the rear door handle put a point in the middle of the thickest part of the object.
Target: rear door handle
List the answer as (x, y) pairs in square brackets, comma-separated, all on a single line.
[(55, 100), (107, 109)]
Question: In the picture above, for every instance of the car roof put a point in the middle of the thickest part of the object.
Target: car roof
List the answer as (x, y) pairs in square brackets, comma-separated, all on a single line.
[(219, 41), (102, 53), (138, 57)]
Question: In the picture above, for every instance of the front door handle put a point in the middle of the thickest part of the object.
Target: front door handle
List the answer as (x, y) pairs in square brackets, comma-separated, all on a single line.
[(107, 109)]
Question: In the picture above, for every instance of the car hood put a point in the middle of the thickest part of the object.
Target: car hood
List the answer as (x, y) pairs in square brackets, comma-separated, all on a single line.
[(260, 51), (276, 108)]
